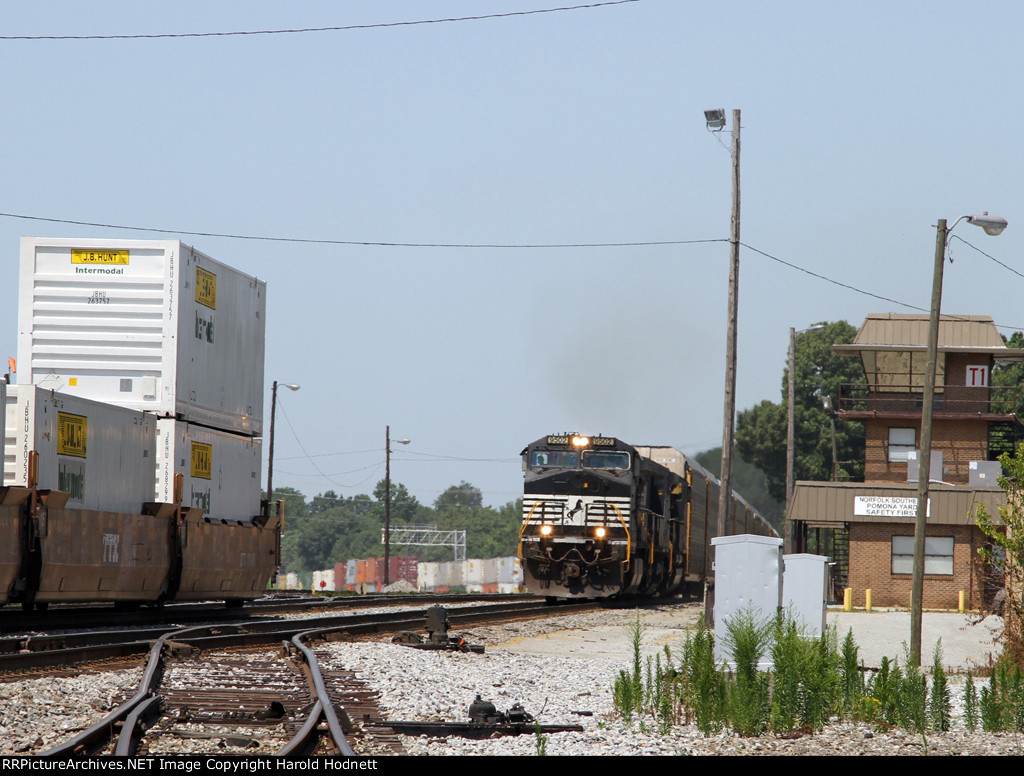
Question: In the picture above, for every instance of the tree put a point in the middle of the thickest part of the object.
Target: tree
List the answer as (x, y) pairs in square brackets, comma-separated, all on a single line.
[(1006, 379), (1006, 555), (749, 482), (294, 502), (461, 496), (761, 430)]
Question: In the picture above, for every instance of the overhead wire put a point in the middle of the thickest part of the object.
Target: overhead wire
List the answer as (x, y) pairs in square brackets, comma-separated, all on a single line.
[(377, 243), (516, 246), (339, 28)]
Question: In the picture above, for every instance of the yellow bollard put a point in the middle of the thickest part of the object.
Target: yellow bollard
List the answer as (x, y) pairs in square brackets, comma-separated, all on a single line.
[(960, 608), (848, 599), (867, 600)]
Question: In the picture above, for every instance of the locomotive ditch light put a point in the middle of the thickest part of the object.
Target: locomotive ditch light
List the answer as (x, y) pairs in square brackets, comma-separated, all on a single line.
[(580, 441), (545, 530), (600, 533)]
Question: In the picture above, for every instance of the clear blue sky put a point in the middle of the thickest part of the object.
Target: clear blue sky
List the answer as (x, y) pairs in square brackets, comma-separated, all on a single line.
[(862, 125)]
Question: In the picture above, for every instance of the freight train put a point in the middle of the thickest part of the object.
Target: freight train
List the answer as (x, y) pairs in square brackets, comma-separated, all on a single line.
[(602, 518), (163, 551), (132, 456)]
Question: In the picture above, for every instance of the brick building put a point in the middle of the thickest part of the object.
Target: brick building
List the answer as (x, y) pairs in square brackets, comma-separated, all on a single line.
[(973, 423)]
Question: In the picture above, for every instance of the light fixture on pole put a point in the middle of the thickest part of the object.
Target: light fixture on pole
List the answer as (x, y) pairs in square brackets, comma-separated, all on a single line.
[(270, 455), (992, 225), (716, 122), (387, 501), (791, 431)]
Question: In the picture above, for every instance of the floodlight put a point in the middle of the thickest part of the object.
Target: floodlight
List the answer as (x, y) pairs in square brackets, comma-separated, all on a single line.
[(715, 119)]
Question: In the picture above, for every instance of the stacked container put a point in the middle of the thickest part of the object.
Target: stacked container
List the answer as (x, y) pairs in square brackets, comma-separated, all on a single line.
[(146, 324), (156, 326), (102, 455)]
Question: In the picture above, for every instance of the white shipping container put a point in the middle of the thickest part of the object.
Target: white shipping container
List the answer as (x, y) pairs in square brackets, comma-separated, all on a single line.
[(103, 455), (323, 581), (221, 470), (510, 570), (427, 575), (473, 572), (146, 324)]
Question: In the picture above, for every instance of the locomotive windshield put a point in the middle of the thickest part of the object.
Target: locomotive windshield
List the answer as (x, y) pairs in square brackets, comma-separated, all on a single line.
[(562, 459), (603, 460)]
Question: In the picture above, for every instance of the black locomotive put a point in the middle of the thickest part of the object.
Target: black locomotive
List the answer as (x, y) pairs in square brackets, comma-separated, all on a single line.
[(603, 518)]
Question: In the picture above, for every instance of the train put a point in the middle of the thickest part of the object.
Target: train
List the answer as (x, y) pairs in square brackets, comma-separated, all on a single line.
[(166, 552), (603, 518), (131, 448)]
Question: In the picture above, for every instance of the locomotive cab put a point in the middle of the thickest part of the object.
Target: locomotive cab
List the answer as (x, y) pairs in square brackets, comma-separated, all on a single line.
[(592, 509)]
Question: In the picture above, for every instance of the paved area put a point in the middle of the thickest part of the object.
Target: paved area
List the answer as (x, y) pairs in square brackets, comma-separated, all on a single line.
[(968, 641)]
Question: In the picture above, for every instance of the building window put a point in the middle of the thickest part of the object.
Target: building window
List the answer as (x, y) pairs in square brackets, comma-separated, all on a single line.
[(901, 442), (938, 555)]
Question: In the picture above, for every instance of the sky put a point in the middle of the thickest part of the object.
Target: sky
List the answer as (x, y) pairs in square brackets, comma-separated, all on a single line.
[(862, 125)]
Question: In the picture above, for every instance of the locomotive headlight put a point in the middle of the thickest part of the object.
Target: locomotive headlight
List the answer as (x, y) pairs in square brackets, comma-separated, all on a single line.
[(545, 530), (580, 441), (600, 533)]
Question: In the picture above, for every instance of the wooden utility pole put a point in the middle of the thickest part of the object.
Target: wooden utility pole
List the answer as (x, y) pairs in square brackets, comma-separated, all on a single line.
[(725, 494), (925, 470)]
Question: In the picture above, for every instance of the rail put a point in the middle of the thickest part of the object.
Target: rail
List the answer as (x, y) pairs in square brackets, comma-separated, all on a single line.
[(905, 398)]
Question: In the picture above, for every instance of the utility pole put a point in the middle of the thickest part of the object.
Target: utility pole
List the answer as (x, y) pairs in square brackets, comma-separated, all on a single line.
[(925, 456), (725, 494)]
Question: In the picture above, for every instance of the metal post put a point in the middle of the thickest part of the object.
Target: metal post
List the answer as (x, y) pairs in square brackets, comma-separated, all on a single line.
[(387, 505), (725, 494), (790, 440), (270, 461)]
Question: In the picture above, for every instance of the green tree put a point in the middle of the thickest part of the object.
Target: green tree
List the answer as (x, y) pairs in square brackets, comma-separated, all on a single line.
[(294, 502), (1005, 555), (761, 430), (749, 482), (461, 496)]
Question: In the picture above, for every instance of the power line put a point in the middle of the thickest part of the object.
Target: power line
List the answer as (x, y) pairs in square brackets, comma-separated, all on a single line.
[(979, 250), (512, 246), (301, 30), (359, 242)]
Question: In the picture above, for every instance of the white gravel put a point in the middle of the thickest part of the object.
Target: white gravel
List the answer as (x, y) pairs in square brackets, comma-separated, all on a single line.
[(560, 668)]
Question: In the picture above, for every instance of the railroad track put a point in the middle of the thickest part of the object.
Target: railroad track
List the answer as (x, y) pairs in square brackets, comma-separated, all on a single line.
[(232, 688)]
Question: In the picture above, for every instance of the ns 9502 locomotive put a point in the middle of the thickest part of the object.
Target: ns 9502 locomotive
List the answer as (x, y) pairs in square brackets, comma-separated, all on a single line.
[(602, 518)]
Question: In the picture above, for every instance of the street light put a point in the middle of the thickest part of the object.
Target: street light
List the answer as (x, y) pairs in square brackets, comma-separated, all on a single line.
[(270, 461), (387, 501), (791, 431), (992, 225), (716, 122)]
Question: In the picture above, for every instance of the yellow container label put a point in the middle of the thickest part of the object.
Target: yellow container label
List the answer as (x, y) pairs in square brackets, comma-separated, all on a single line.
[(202, 460), (206, 288), (98, 257), (71, 434)]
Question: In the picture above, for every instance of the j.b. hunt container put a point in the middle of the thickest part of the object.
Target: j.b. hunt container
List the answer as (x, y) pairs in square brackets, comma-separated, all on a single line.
[(103, 455), (221, 470), (145, 324)]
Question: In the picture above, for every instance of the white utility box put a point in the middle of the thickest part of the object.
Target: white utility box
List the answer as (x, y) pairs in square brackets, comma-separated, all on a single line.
[(748, 576), (804, 591)]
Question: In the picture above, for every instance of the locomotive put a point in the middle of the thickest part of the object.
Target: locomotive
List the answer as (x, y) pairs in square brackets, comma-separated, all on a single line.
[(603, 518)]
